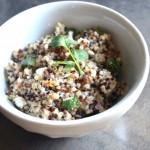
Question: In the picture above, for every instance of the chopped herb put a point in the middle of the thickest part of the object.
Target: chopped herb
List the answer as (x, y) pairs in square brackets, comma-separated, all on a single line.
[(70, 42), (68, 68), (58, 41), (69, 65), (29, 60), (65, 42), (114, 66), (80, 55), (71, 103), (66, 62)]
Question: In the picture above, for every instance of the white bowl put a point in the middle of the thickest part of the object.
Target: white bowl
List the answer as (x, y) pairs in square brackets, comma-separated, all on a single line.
[(33, 23)]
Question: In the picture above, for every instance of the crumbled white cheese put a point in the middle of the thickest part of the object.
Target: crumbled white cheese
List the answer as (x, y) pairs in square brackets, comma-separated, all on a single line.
[(27, 71), (59, 29), (67, 115), (19, 102), (40, 71)]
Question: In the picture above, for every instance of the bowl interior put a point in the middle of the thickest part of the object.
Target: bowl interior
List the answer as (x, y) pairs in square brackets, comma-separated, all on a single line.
[(34, 23)]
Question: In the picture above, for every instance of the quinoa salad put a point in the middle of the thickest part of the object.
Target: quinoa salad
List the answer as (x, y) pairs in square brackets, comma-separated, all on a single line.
[(66, 75)]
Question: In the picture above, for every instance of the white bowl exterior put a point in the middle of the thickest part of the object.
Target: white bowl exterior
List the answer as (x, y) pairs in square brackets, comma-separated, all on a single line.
[(36, 22)]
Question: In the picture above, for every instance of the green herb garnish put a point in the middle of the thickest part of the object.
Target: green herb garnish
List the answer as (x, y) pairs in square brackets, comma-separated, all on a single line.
[(114, 66), (80, 55), (29, 60), (65, 42), (68, 64), (71, 103), (68, 68)]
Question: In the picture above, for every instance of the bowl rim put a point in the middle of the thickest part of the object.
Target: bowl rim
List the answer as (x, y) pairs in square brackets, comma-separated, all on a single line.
[(106, 113)]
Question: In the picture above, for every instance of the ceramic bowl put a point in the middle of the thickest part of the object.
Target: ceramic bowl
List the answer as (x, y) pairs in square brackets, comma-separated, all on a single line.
[(32, 24)]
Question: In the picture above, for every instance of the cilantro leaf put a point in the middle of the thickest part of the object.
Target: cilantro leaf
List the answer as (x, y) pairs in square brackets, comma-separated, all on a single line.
[(114, 66), (66, 62), (29, 60), (68, 68), (80, 55), (71, 103), (59, 41), (65, 42), (70, 42)]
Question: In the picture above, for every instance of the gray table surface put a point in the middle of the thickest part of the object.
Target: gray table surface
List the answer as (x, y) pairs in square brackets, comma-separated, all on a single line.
[(131, 132)]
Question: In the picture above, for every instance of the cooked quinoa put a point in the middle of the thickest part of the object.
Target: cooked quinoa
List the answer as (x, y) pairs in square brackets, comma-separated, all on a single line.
[(68, 74)]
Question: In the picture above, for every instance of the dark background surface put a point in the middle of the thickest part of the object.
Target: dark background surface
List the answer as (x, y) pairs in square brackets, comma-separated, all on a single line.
[(131, 132)]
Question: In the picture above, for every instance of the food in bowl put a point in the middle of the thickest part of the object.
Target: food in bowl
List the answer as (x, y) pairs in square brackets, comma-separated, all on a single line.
[(68, 74)]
